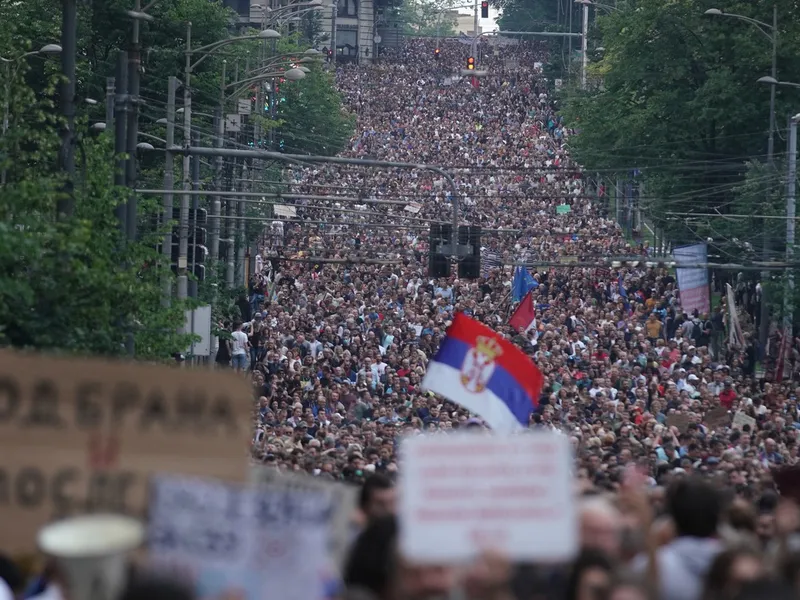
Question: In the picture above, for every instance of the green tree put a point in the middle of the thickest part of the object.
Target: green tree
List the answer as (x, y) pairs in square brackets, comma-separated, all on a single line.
[(313, 120), (73, 286), (428, 18), (529, 15), (679, 102)]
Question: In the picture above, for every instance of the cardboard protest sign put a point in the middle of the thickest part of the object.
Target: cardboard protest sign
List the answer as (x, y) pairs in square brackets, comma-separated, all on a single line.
[(718, 418), (679, 420), (85, 435), (266, 542), (740, 420), (464, 493), (345, 498)]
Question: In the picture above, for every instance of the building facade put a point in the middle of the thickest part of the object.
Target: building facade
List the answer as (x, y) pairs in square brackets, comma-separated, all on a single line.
[(350, 25)]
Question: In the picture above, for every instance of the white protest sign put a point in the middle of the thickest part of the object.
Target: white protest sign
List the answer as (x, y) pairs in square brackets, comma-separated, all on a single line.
[(345, 498), (740, 420), (270, 544), (464, 493)]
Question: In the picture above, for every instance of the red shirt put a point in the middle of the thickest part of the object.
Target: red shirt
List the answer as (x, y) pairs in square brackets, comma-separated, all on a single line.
[(726, 398)]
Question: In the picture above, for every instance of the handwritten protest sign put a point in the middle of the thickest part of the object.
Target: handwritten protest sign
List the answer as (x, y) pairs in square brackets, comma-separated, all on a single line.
[(344, 497), (718, 418), (85, 435), (740, 420), (462, 493), (679, 420), (268, 543)]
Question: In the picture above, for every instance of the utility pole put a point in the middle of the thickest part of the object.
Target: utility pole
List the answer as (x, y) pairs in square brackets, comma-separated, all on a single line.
[(216, 204), (120, 131), (569, 54), (334, 14), (183, 240), (195, 208), (169, 184), (788, 298), (585, 46), (230, 227), (763, 329), (110, 89), (474, 51), (241, 245), (69, 50), (134, 75)]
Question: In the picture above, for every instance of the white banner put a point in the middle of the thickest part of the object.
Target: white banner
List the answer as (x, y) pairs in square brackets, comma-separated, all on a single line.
[(270, 544), (693, 283), (462, 493)]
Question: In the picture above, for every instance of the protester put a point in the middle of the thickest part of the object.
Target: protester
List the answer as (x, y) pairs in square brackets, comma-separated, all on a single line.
[(677, 443)]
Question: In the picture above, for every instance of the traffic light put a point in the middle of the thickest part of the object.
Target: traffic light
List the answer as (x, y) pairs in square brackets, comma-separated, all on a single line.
[(484, 10), (437, 53), (471, 63)]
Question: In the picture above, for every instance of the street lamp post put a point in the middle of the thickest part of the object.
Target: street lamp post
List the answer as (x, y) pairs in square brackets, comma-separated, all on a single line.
[(205, 52), (585, 34), (788, 300), (294, 74), (9, 62), (771, 32)]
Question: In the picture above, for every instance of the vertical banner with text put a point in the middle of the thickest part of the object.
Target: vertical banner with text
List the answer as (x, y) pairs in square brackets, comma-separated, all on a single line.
[(693, 282)]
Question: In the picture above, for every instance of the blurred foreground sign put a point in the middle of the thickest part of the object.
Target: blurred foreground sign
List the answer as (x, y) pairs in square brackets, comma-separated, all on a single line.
[(462, 493), (269, 543), (85, 436), (345, 498)]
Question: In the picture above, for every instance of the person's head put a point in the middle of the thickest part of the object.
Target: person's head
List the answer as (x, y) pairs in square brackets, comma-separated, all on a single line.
[(694, 506), (600, 526), (237, 326), (377, 497), (375, 567), (730, 570), (590, 576), (371, 564)]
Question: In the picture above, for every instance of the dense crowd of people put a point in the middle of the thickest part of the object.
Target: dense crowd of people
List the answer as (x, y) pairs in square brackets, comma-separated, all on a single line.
[(677, 441)]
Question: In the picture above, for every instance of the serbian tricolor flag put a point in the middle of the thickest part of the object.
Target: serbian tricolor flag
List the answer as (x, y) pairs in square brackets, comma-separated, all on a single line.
[(485, 374), (524, 318)]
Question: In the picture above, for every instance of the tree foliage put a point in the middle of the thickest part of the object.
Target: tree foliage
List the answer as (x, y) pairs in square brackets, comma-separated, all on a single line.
[(678, 100), (312, 117), (73, 285), (529, 15), (428, 18)]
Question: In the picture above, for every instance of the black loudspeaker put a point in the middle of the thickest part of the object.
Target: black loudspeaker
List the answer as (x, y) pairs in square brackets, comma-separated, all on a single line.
[(438, 263), (469, 267)]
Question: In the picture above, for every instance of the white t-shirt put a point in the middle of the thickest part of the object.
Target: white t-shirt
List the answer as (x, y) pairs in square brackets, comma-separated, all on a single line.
[(239, 343)]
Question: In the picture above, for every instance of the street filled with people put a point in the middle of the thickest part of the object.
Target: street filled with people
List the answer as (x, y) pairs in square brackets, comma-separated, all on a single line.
[(674, 490)]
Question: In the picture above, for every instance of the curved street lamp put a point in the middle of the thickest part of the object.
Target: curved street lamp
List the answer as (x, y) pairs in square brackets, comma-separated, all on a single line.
[(772, 81), (48, 50), (771, 33)]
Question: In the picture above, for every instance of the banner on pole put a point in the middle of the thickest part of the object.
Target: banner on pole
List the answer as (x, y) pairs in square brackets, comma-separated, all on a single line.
[(693, 282)]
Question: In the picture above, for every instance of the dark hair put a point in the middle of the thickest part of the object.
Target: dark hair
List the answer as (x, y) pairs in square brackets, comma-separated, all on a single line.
[(373, 483), (695, 506), (371, 562), (156, 586), (587, 559), (718, 577), (10, 573), (766, 589)]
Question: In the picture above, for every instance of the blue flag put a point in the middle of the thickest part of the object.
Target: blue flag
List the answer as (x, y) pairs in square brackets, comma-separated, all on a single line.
[(522, 283)]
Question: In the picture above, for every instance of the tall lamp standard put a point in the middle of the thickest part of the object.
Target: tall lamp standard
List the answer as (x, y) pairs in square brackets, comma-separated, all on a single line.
[(204, 52), (49, 49), (771, 32)]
